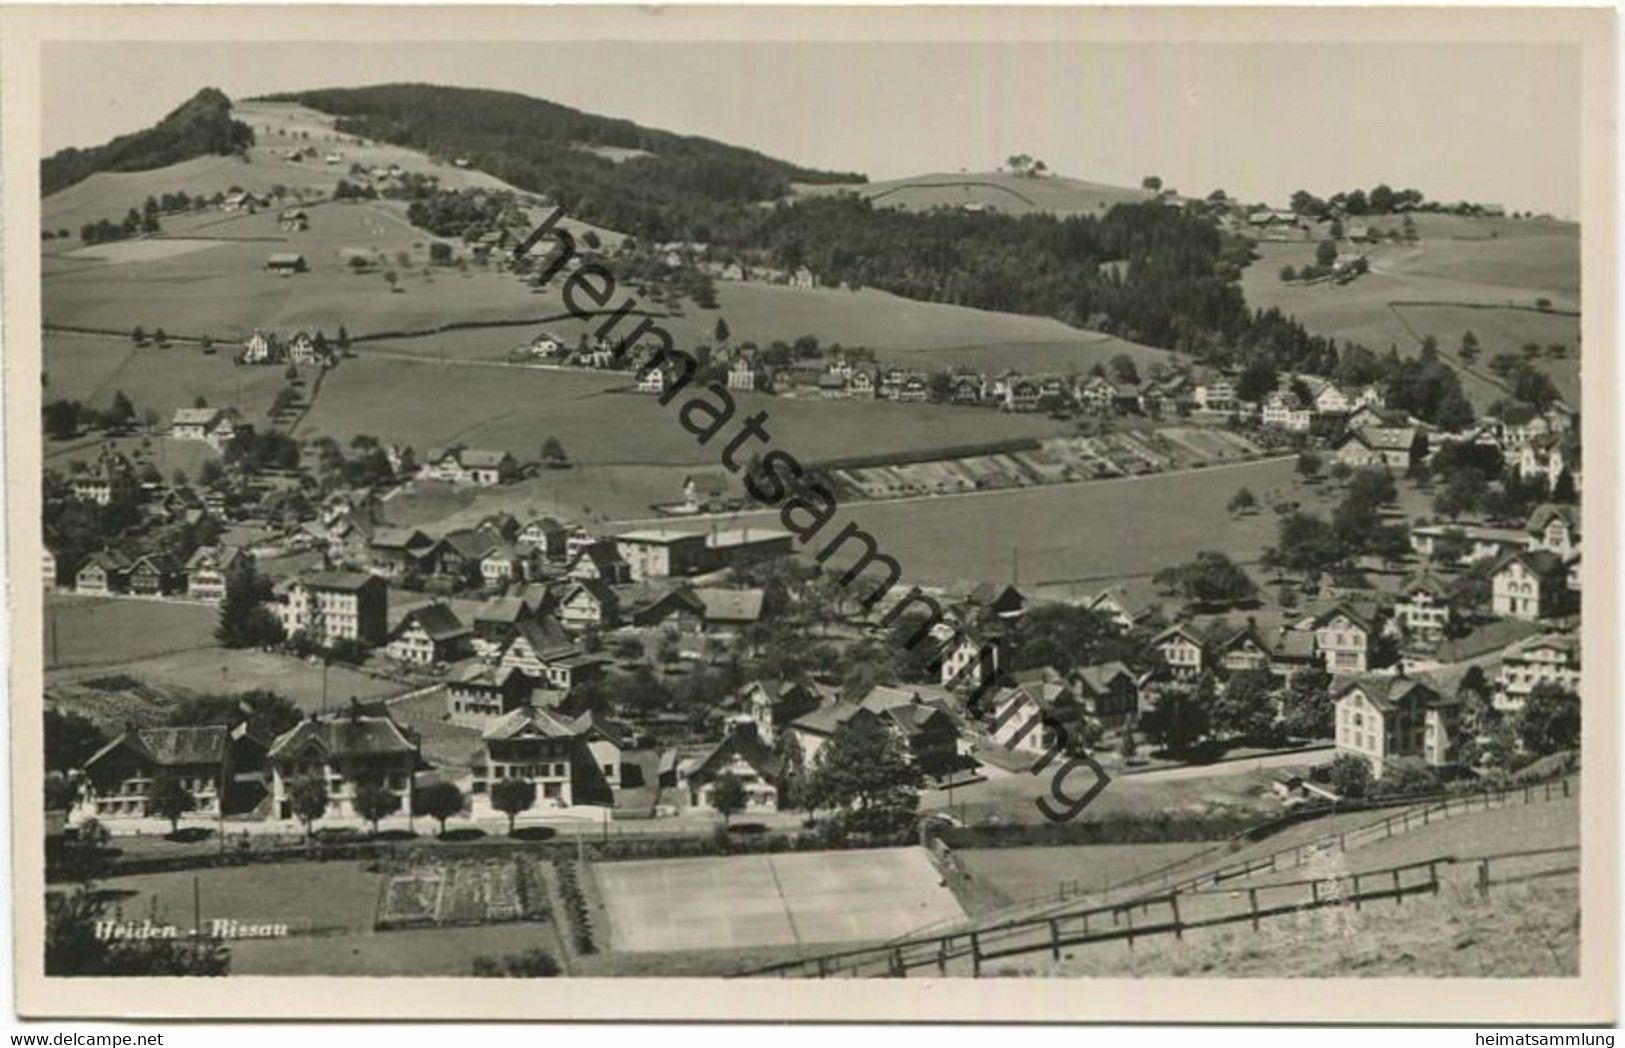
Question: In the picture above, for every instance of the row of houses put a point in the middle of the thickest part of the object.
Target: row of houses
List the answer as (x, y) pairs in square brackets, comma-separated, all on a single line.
[(266, 347), (202, 577)]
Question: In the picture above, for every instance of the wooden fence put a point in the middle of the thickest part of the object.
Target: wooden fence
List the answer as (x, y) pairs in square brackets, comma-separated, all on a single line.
[(1175, 913)]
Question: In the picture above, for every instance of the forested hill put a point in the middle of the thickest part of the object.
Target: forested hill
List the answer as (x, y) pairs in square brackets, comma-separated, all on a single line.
[(649, 183), (201, 126)]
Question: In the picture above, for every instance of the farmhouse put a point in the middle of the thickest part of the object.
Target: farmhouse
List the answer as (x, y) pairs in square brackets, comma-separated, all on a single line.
[(1426, 608), (293, 220), (589, 604), (304, 349), (1283, 410), (1182, 648), (430, 634), (1116, 605), (262, 348), (1376, 447), (216, 427), (1482, 543), (1343, 639), (1384, 719), (110, 479), (1556, 528), (459, 465), (361, 747), (154, 576), (543, 651), (210, 569), (664, 603), (398, 553), (338, 606), (286, 263), (729, 610), (215, 764), (545, 534), (599, 561)]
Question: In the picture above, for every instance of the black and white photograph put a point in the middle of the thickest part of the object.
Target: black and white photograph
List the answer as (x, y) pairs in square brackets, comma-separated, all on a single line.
[(855, 494)]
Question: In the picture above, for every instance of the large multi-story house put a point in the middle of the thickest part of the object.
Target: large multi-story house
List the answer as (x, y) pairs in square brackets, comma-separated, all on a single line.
[(1530, 585), (153, 575), (1284, 410), (1395, 448), (362, 746), (660, 553), (334, 606), (743, 754), (570, 761), (1385, 719), (217, 764), (1183, 649), (544, 652), (110, 479), (1546, 658)]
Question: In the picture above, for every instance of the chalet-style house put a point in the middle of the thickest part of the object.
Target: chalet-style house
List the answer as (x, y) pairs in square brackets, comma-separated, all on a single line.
[(589, 604), (458, 465), (742, 374), (262, 348), (153, 575), (743, 754), (102, 574), (362, 746), (1556, 528), (1183, 650), (545, 534), (293, 220), (569, 760), (1116, 605), (1343, 638), (1547, 658), (1284, 410), (1482, 543), (428, 635), (664, 605), (599, 562), (338, 606), (478, 695), (109, 479), (216, 427), (727, 611), (218, 765), (544, 652), (1530, 585), (1384, 719), (399, 554)]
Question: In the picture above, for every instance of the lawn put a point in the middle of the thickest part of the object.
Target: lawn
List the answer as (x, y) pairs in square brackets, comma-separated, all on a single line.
[(1021, 873), (96, 631), (994, 190), (765, 900), (517, 408), (92, 370), (214, 669), (1504, 331), (1086, 533)]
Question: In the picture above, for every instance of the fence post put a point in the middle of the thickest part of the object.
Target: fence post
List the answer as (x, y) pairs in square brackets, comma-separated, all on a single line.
[(1055, 939), (823, 968), (975, 955), (1424, 816), (1179, 926), (1433, 877), (1129, 915), (1342, 845), (1484, 877), (1356, 893), (1086, 922), (1399, 896), (1252, 902), (897, 968), (942, 955), (1565, 787)]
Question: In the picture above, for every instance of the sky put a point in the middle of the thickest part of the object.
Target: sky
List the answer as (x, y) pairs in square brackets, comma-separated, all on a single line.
[(1496, 123)]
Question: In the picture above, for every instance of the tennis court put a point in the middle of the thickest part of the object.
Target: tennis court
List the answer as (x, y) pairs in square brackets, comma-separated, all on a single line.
[(771, 900)]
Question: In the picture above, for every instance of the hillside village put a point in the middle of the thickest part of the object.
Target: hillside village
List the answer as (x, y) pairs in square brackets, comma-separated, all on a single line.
[(287, 637)]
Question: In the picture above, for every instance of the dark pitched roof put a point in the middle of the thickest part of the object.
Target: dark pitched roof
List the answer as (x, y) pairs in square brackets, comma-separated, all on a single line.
[(1385, 692), (1547, 512), (358, 733), (437, 620), (731, 605), (171, 747), (535, 720), (743, 742)]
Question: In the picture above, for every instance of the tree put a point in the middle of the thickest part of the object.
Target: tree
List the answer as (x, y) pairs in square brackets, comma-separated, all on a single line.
[(1124, 369), (1212, 578), (1450, 547), (1350, 776), (513, 797), (553, 455), (375, 801), (1469, 347), (168, 798), (70, 740), (1246, 707), (1326, 253), (1063, 636), (1307, 709), (138, 336), (122, 413), (720, 333), (1308, 465), (1179, 716), (728, 796), (439, 801), (343, 339), (1550, 720), (1464, 491), (1151, 182), (440, 253), (308, 799), (864, 772), (1288, 274), (793, 792), (244, 621), (62, 418), (393, 279), (1243, 501)]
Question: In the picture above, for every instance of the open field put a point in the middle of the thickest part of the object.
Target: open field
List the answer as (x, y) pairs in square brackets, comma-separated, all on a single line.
[(92, 370), (214, 669), (1020, 873), (1503, 331), (990, 190), (766, 900), (98, 631), (1072, 533), (517, 408)]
